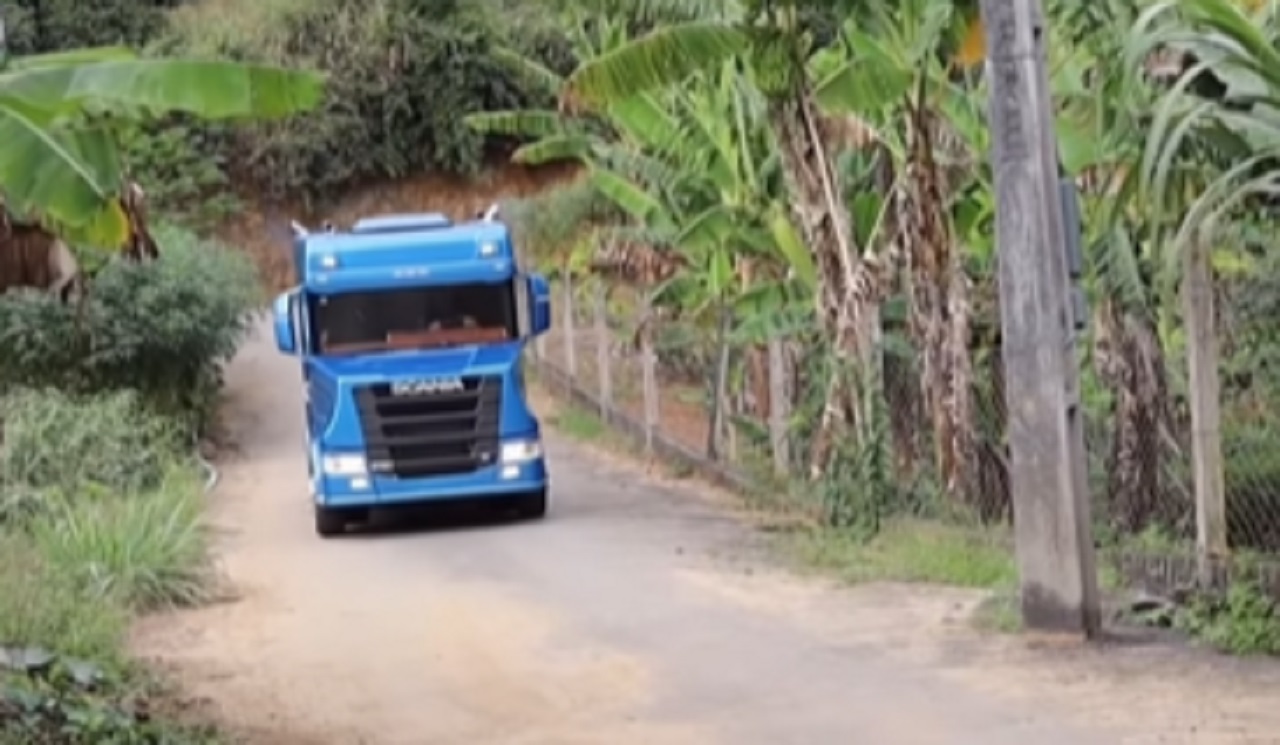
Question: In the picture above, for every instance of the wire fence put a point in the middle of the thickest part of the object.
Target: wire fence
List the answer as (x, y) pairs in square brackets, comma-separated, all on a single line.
[(746, 414)]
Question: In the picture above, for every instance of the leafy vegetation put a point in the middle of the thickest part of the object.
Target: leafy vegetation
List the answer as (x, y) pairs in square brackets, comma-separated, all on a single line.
[(59, 115), (99, 543), (819, 173), (399, 72), (101, 505), (163, 328), (1245, 621)]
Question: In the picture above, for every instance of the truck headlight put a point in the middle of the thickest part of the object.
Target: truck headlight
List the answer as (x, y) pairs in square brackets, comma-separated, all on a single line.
[(521, 451), (344, 465)]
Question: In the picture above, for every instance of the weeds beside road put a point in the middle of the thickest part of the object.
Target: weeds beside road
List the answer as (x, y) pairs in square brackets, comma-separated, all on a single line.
[(101, 497)]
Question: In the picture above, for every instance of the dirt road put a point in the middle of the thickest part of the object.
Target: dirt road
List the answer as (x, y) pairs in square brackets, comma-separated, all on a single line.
[(638, 612)]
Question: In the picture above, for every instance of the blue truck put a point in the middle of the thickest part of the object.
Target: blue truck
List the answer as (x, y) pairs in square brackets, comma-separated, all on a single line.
[(410, 330)]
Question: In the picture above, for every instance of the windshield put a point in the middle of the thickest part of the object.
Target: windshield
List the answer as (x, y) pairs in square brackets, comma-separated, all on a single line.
[(417, 318)]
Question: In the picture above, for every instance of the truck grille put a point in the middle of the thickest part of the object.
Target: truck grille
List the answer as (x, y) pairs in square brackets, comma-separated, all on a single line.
[(431, 433)]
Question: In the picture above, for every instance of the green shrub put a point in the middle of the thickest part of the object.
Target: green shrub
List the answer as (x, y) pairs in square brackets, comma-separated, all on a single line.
[(148, 549), (43, 607), (50, 25), (163, 328), (1244, 622), (182, 164), (77, 444), (401, 74)]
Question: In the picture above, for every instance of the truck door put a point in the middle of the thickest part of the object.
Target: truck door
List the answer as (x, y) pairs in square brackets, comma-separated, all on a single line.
[(302, 325)]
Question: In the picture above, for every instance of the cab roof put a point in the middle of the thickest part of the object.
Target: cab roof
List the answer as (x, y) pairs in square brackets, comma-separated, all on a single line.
[(392, 250)]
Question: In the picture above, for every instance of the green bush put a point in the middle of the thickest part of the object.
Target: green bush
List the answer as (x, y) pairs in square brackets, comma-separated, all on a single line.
[(401, 74), (162, 328), (44, 607), (118, 446), (182, 163), (1244, 622), (49, 25), (148, 549)]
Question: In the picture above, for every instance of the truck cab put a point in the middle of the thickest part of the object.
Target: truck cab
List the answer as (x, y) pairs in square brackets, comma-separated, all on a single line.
[(410, 331)]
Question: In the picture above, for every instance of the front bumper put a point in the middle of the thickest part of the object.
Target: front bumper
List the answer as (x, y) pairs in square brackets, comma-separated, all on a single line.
[(490, 481)]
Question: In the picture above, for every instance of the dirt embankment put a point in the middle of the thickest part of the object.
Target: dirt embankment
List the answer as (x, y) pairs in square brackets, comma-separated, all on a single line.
[(262, 230)]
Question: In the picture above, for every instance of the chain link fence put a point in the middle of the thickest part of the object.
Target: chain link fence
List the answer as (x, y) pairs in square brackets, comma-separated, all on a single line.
[(934, 448)]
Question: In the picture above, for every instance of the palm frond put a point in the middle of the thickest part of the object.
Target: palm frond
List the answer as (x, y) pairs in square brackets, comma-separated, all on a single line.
[(665, 57), (523, 123)]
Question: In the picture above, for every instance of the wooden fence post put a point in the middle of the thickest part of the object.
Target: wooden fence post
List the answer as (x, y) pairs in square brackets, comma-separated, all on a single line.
[(570, 334), (779, 408), (1206, 414), (603, 348), (649, 371)]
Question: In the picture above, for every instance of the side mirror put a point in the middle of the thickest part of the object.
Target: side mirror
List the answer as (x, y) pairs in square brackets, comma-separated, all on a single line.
[(286, 334), (540, 305)]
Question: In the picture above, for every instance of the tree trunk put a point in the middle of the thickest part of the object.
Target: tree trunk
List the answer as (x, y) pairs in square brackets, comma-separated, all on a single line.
[(1132, 364), (720, 385), (940, 306), (848, 292)]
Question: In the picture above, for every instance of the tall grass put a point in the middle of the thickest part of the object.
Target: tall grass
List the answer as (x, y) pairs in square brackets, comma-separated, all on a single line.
[(116, 523), (43, 607), (148, 549)]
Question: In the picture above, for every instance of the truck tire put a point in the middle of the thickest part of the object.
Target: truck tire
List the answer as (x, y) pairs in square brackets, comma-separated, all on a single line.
[(532, 506), (330, 522)]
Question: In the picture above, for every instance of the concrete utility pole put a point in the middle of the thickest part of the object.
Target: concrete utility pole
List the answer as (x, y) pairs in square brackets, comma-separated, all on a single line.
[(1052, 522)]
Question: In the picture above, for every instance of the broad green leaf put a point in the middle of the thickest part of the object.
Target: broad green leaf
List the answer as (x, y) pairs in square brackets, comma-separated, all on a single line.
[(630, 198), (645, 120), (209, 89), (526, 123), (660, 59), (719, 272), (709, 228), (1078, 148), (553, 149), (92, 55), (872, 80), (792, 246), (1231, 21), (528, 67), (96, 149), (43, 173)]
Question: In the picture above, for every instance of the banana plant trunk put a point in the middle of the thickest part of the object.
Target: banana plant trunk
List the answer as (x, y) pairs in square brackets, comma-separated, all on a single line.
[(1132, 364), (848, 286), (941, 316), (720, 385)]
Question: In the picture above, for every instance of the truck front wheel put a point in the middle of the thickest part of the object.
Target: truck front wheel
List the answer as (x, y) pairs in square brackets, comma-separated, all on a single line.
[(532, 506)]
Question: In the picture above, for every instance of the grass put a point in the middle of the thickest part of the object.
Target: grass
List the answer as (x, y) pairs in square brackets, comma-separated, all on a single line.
[(908, 551), (47, 608), (904, 550), (72, 577), (148, 549), (83, 560), (580, 424)]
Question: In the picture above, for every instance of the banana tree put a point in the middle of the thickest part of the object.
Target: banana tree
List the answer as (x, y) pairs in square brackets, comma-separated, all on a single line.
[(58, 113), (694, 169), (769, 40), (894, 73), (563, 135), (1211, 163)]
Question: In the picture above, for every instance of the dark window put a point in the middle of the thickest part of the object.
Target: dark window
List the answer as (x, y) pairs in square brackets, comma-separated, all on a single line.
[(422, 317)]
